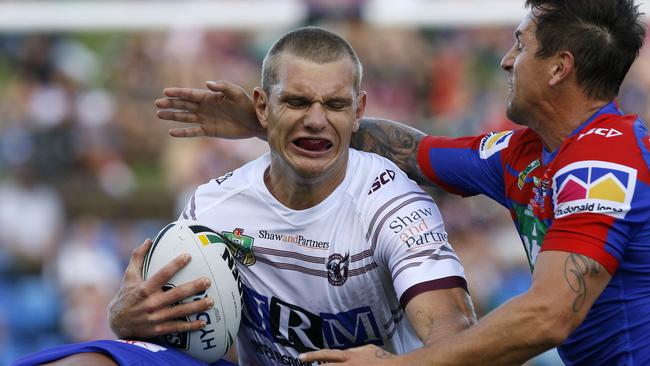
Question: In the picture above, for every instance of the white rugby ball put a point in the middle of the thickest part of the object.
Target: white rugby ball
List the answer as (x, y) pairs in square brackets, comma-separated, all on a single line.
[(212, 259)]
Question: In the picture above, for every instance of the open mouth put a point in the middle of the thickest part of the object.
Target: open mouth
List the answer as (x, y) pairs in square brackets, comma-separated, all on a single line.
[(313, 144)]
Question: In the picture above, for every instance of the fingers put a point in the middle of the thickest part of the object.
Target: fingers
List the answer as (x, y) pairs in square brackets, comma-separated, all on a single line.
[(156, 282), (187, 132), (178, 116), (182, 311), (134, 268), (185, 290), (324, 355), (189, 94), (175, 103), (227, 88), (177, 326)]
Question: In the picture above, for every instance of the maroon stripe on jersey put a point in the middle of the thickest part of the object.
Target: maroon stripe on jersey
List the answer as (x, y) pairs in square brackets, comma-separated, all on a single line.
[(396, 317), (385, 205), (433, 256), (369, 252), (390, 214), (425, 253), (362, 270), (292, 267), (439, 284), (392, 332), (290, 254), (193, 207), (362, 255)]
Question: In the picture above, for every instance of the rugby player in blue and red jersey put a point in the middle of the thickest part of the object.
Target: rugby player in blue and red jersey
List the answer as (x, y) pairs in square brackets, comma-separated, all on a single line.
[(576, 181)]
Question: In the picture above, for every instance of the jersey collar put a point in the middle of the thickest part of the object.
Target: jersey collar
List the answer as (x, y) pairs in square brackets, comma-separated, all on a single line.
[(609, 108)]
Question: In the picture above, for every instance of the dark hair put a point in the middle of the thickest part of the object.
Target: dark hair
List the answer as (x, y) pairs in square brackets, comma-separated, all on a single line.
[(311, 43), (604, 37)]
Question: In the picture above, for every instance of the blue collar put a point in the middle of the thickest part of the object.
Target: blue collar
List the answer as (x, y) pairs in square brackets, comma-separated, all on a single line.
[(609, 108)]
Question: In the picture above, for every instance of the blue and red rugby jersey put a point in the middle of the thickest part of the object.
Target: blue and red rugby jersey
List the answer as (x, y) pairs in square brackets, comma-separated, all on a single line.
[(125, 353), (591, 197)]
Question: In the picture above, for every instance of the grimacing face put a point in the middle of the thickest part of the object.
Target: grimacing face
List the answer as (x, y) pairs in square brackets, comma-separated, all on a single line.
[(310, 115), (527, 74)]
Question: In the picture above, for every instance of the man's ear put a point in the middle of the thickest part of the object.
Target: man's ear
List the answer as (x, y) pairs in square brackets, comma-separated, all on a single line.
[(260, 103), (561, 68), (361, 109)]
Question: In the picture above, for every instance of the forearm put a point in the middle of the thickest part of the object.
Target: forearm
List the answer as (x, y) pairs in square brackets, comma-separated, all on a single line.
[(440, 314), (510, 335), (394, 141)]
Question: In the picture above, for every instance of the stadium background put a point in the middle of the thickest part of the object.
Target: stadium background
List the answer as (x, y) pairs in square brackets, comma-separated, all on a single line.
[(87, 171)]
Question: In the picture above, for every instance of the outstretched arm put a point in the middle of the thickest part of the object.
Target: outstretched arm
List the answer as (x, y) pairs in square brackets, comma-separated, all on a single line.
[(394, 141), (565, 286), (225, 110)]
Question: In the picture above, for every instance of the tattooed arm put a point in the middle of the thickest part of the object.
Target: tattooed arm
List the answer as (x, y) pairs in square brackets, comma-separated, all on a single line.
[(565, 286), (394, 141)]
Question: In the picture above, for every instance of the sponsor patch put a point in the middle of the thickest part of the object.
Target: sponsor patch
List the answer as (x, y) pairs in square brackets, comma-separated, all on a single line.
[(521, 179), (241, 246), (594, 186), (294, 239), (605, 132), (494, 142), (223, 178), (381, 180)]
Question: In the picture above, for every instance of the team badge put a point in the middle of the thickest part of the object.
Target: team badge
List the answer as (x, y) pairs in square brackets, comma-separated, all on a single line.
[(594, 186), (337, 268), (241, 246), (521, 180), (494, 142)]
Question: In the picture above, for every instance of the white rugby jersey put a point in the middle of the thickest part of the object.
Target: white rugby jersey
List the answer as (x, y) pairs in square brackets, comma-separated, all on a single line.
[(337, 275)]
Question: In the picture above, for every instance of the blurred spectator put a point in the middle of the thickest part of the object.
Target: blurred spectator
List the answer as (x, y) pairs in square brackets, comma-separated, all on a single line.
[(31, 220)]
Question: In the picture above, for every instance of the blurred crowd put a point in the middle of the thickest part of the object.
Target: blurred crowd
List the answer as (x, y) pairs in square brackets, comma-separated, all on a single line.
[(87, 171)]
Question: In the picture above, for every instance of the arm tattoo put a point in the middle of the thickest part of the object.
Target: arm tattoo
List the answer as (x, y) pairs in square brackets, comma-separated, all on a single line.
[(380, 353), (394, 141), (576, 267)]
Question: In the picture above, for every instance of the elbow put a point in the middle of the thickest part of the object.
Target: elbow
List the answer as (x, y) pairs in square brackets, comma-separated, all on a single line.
[(553, 333), (552, 324)]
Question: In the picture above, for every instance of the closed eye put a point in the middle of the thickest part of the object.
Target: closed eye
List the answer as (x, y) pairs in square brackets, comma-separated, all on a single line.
[(297, 102)]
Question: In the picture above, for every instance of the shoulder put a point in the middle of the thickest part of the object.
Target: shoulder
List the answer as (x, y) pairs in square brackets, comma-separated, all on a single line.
[(599, 169), (375, 177), (380, 188), (613, 138), (218, 190)]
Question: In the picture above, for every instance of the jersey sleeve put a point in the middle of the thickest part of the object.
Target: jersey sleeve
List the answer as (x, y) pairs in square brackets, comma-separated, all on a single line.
[(601, 196), (409, 238), (467, 165)]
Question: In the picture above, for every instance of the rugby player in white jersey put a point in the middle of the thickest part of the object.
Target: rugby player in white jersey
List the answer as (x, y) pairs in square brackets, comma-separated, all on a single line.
[(337, 248)]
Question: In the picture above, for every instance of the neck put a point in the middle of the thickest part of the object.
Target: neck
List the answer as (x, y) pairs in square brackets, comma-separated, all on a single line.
[(557, 119), (297, 192)]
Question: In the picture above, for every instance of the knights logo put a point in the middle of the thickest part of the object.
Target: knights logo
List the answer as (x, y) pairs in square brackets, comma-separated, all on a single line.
[(337, 268), (241, 246)]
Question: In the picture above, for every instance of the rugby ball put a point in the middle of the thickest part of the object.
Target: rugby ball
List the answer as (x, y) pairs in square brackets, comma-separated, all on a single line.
[(211, 258)]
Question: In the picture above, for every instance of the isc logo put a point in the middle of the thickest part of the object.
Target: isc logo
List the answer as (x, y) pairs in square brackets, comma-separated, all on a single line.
[(381, 180), (607, 132)]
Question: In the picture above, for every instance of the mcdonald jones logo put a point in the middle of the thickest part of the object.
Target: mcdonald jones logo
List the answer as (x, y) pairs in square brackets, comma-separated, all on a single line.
[(595, 187)]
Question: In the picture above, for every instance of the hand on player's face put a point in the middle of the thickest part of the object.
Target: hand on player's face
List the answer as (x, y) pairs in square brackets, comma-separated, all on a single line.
[(223, 110), (141, 309)]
